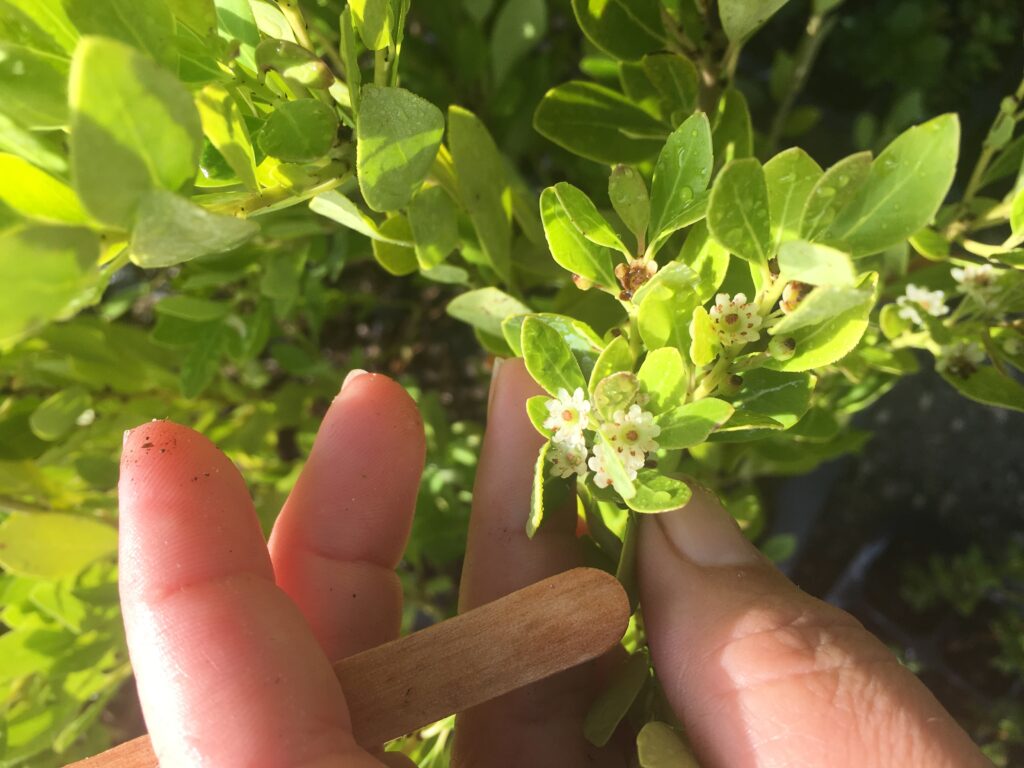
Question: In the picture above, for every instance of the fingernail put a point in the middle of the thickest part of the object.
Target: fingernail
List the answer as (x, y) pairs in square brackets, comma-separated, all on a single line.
[(704, 533), (352, 375), (494, 380), (124, 437)]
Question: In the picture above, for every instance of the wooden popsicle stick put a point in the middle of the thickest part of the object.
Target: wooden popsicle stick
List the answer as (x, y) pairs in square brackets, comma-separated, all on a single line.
[(398, 687)]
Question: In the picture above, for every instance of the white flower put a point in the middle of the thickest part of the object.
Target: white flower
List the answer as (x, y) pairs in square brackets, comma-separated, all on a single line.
[(960, 358), (597, 464), (568, 459), (932, 302), (631, 433), (568, 416), (736, 321), (976, 280)]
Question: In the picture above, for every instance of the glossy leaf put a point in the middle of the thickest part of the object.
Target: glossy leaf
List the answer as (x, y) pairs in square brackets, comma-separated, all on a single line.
[(625, 29), (656, 492), (549, 359), (741, 18), (615, 392), (987, 385), (373, 22), (790, 177), (904, 188), (486, 309), (663, 377), (587, 219), (146, 25), (56, 415), (615, 470), (704, 344), (676, 79), (815, 264), (691, 424), (53, 545), (732, 133), (738, 216), (666, 302), (832, 192), (518, 28), (435, 227), (540, 471), (223, 125), (630, 200), (708, 260), (680, 175), (598, 123), (37, 195), (585, 345), (396, 258), (339, 208), (134, 128), (569, 247), (659, 746), (615, 358), (784, 397), (299, 131), (33, 86)]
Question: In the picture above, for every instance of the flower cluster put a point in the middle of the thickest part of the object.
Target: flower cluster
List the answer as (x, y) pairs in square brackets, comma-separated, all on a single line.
[(917, 299), (961, 358), (975, 280), (736, 321), (630, 433)]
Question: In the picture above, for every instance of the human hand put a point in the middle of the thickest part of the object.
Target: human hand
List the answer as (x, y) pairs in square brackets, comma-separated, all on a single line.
[(233, 670)]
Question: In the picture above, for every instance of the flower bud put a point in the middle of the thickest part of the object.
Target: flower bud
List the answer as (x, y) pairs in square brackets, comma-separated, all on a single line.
[(782, 349), (582, 283), (732, 384), (794, 293)]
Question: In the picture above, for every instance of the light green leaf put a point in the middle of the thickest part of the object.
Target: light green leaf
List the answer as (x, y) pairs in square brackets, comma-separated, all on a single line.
[(169, 229), (784, 397), (628, 195), (481, 177), (192, 309), (202, 363), (35, 194), (891, 323), (611, 706), (742, 18), (271, 22), (614, 467), (372, 21), (486, 309), (656, 493), (688, 425), (299, 131), (832, 192), (738, 215), (398, 136), (299, 67), (987, 385), (548, 358), (666, 302), (615, 358), (615, 392), (663, 377), (520, 25), (223, 125), (598, 123), (39, 24), (397, 257), (708, 260), (790, 177), (680, 175), (1017, 215), (659, 746), (625, 29), (587, 219), (339, 208), (237, 25), (133, 128), (146, 25), (904, 189), (731, 130), (704, 344), (586, 345), (569, 247), (56, 415), (53, 545), (47, 274), (537, 411), (675, 78), (827, 325), (815, 264), (435, 227), (38, 148), (536, 516), (33, 87)]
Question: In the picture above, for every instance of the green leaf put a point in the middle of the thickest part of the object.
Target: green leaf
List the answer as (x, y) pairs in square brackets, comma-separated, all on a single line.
[(39, 149), (598, 123), (676, 80), (587, 219), (223, 125), (628, 195), (987, 385), (537, 492), (615, 392), (688, 425), (827, 324), (663, 377), (784, 397), (33, 87), (659, 746), (146, 25), (680, 175), (613, 465), (519, 27), (46, 273), (237, 25), (658, 493), (537, 411), (395, 258), (609, 709), (569, 247), (586, 345), (738, 215), (398, 136), (731, 131), (832, 192), (373, 22), (815, 264), (481, 175), (742, 18), (904, 189), (39, 24), (615, 358), (666, 302), (625, 29), (53, 545), (704, 342), (169, 230), (299, 131), (549, 359), (486, 309), (339, 208), (134, 128), (790, 177), (56, 415), (35, 194), (435, 227), (202, 363), (708, 260), (192, 309), (1017, 215), (199, 15)]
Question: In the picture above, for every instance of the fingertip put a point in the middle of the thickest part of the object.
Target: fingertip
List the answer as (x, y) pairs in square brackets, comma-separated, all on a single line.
[(385, 401)]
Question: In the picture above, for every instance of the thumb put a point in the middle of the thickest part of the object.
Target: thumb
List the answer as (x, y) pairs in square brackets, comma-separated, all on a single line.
[(762, 674)]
